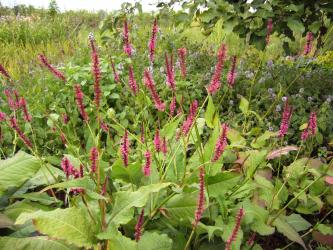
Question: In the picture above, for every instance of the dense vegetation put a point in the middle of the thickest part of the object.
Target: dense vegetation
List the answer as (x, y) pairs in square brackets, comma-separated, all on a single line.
[(132, 130)]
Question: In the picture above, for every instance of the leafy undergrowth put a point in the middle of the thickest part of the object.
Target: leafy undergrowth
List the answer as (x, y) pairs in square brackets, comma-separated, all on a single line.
[(143, 165)]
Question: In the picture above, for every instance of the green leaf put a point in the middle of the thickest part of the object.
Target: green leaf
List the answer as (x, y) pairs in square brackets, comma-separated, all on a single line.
[(154, 241), (169, 129), (295, 25), (71, 224), (84, 182), (283, 227), (210, 230), (5, 222), (210, 114), (122, 211), (117, 240), (25, 206), (297, 222), (42, 198), (221, 183), (261, 140), (244, 105), (325, 229), (235, 138), (130, 174), (35, 243), (17, 170)]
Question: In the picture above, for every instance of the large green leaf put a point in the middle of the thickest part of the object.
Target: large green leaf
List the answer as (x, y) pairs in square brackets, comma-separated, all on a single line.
[(222, 183), (244, 105), (298, 222), (295, 25), (117, 240), (17, 170), (14, 210), (42, 198), (84, 182), (71, 224), (131, 174), (154, 241), (125, 201), (210, 114), (283, 227), (33, 243)]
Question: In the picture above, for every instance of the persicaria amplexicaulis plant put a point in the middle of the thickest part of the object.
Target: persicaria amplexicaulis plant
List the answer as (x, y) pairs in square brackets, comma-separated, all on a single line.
[(201, 198), (131, 80), (26, 116), (172, 105), (67, 167), (170, 73), (94, 159), (286, 116), (127, 45), (3, 116), (42, 58), (308, 44), (115, 73), (138, 226), (221, 143), (149, 82), (147, 167), (269, 30), (152, 42), (182, 61), (311, 128), (164, 147), (125, 148), (157, 141), (79, 102), (235, 231), (15, 126), (185, 129), (3, 71), (232, 73)]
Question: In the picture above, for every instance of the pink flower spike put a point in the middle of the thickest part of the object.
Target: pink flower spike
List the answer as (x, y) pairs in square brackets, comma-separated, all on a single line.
[(185, 129), (127, 45), (79, 102), (313, 123), (14, 125), (215, 82), (95, 68), (115, 73), (104, 127), (13, 105), (182, 60), (94, 159), (286, 116), (221, 143), (27, 117), (52, 69), (152, 42), (147, 167), (67, 167), (125, 148), (65, 118), (157, 141), (142, 133), (138, 226), (3, 116), (172, 105), (170, 72), (164, 147), (232, 73), (201, 198), (3, 71), (149, 82), (103, 191), (308, 45), (131, 81), (235, 231)]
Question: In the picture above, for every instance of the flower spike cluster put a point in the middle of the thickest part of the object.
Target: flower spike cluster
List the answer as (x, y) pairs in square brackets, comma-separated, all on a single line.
[(95, 70), (235, 231), (286, 116), (52, 69), (125, 148), (170, 72), (147, 167), (221, 143), (232, 73), (149, 82), (152, 42), (201, 198), (182, 60), (215, 82), (79, 102), (308, 45)]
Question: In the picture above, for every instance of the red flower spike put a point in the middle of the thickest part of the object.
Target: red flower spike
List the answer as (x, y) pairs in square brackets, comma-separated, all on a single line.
[(172, 106), (170, 72), (152, 42), (164, 147), (67, 167), (235, 231), (215, 82), (125, 148), (3, 71), (3, 116), (221, 143), (157, 141), (94, 159), (138, 226), (79, 102), (149, 82), (147, 167), (127, 45), (52, 69), (115, 73), (308, 44), (14, 125), (131, 81), (95, 68), (27, 117), (182, 60), (286, 116), (185, 129), (201, 198), (269, 30), (232, 73), (103, 192)]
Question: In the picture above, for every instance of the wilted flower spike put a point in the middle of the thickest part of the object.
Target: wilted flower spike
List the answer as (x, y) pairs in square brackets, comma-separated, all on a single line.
[(138, 226), (235, 231), (215, 82), (94, 159), (131, 81), (26, 116), (157, 141), (95, 68), (152, 42), (14, 125), (79, 102), (286, 116), (51, 68), (170, 72), (125, 148), (232, 73), (201, 198), (269, 30), (308, 45), (221, 143), (182, 60), (3, 71), (147, 167), (149, 82)]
